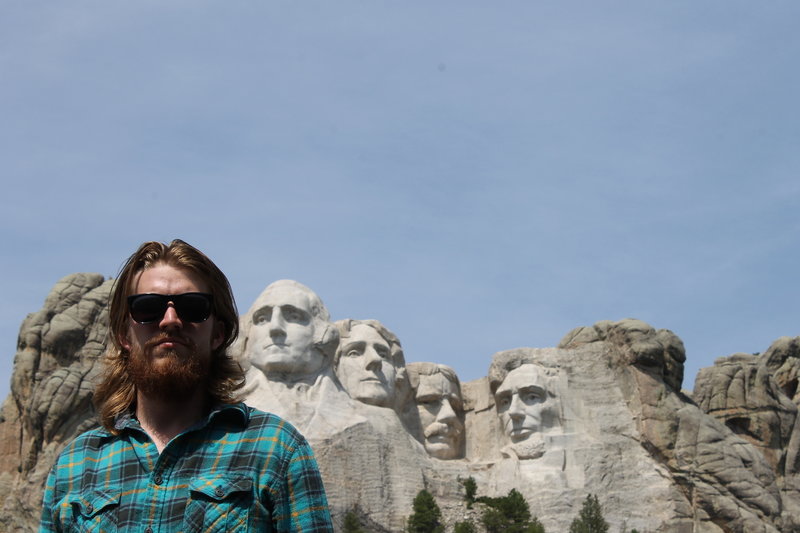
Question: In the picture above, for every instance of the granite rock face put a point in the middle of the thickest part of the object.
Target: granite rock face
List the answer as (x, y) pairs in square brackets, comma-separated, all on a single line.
[(725, 483), (55, 369), (601, 413), (755, 396)]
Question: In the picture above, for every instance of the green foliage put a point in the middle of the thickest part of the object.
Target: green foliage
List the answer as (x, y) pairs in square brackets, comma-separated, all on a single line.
[(509, 514), (427, 515), (590, 519), (470, 489), (464, 527), (351, 523)]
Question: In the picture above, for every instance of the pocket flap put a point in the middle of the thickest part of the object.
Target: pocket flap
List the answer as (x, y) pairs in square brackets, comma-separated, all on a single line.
[(93, 502), (220, 487)]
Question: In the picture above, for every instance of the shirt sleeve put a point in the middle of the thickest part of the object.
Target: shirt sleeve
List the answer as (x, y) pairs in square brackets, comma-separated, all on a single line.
[(305, 506)]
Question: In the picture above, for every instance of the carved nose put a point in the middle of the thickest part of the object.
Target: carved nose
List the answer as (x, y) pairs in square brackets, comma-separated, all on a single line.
[(277, 325), (446, 412), (516, 407), (373, 359)]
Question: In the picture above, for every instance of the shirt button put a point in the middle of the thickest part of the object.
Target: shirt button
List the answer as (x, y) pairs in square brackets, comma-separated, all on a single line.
[(90, 508), (158, 479), (218, 492), (148, 529)]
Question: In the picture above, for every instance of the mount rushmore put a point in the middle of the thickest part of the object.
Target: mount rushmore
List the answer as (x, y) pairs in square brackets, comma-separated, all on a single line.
[(601, 413)]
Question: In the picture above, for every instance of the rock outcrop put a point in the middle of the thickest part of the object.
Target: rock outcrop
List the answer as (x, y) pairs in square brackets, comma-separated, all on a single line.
[(55, 370), (755, 396), (602, 413)]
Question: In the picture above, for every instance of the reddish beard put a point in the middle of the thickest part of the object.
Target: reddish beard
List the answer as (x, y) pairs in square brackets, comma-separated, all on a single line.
[(174, 376)]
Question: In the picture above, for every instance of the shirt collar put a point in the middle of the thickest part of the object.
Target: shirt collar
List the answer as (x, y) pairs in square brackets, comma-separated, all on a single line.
[(237, 411)]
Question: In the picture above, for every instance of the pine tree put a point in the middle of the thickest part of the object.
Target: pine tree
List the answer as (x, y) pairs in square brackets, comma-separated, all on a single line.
[(351, 523), (427, 515), (464, 527), (470, 489), (509, 514), (590, 519)]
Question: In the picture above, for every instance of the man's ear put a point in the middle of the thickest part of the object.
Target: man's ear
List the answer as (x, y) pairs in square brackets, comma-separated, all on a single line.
[(124, 342)]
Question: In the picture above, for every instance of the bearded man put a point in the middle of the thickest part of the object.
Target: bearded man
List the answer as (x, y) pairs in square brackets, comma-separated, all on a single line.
[(176, 452)]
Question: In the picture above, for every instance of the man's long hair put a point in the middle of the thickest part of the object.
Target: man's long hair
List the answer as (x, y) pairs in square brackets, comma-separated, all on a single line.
[(116, 393)]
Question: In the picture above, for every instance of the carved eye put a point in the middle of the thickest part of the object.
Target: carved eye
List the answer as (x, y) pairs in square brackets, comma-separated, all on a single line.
[(383, 351), (292, 315), (503, 401), (353, 352), (429, 403), (530, 396), (262, 316)]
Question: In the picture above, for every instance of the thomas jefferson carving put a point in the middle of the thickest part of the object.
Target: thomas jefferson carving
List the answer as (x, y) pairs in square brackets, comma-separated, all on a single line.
[(369, 362)]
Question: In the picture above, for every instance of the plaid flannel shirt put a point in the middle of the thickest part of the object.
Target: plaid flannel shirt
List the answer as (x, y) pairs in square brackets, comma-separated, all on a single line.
[(239, 469)]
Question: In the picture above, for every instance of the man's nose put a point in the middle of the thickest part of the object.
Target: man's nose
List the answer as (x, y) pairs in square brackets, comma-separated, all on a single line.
[(170, 320)]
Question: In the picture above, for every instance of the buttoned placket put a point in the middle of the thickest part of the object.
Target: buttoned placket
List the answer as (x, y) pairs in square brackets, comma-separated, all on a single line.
[(160, 467)]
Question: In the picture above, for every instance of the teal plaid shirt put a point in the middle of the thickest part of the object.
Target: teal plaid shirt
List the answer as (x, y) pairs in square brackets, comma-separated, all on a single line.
[(240, 469)]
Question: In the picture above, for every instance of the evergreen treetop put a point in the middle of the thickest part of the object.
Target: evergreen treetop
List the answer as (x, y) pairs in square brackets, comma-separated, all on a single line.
[(590, 519), (427, 516)]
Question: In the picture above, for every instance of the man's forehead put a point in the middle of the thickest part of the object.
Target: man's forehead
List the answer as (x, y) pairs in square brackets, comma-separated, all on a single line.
[(162, 273), (435, 384)]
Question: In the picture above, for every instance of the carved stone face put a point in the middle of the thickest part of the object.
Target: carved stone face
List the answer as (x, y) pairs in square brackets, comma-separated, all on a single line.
[(522, 403), (440, 413), (282, 333), (365, 367)]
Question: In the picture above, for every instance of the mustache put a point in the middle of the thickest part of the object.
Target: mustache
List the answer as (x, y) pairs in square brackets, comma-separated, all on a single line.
[(438, 428), (163, 336)]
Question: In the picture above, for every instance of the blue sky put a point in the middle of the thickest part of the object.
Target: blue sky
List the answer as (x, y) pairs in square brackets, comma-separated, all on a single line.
[(478, 176)]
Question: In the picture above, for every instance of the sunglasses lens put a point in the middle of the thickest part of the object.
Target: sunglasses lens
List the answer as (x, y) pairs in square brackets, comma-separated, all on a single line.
[(191, 306), (147, 308)]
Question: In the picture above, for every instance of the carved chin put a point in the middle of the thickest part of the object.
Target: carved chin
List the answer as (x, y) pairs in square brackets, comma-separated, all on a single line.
[(531, 448), (373, 393), (441, 450)]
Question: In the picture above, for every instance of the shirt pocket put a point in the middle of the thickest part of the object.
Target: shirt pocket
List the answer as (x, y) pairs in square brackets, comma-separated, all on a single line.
[(93, 510), (219, 503)]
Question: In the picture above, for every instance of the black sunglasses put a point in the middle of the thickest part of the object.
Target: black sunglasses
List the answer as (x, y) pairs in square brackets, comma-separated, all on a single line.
[(190, 306)]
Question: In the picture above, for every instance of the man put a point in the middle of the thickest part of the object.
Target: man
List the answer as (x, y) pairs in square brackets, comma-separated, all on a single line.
[(289, 344), (437, 394), (524, 400), (175, 451), (369, 362)]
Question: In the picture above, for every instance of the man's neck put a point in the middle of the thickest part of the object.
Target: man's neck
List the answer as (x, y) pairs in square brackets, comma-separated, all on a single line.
[(163, 419)]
